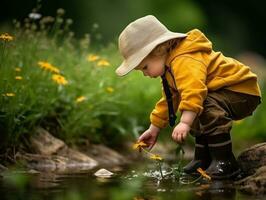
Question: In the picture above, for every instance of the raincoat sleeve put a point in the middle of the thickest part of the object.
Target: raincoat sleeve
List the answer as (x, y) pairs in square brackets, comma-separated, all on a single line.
[(190, 76), (159, 115)]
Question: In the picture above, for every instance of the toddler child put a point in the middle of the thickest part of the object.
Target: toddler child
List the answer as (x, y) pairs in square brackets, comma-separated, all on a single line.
[(209, 89)]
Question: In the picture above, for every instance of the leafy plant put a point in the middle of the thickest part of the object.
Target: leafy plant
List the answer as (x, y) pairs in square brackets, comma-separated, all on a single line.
[(176, 169)]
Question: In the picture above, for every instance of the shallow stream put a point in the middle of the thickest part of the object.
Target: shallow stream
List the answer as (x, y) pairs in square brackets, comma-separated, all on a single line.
[(135, 183)]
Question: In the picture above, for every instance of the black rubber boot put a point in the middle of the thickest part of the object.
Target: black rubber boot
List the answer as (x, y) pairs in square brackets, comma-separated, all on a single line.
[(224, 164), (201, 158)]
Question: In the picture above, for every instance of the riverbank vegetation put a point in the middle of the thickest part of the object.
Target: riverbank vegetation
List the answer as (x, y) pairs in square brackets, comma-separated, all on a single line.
[(52, 79)]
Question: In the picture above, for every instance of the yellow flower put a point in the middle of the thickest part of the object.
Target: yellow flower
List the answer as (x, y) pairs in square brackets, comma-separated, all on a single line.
[(203, 173), (18, 78), (92, 57), (103, 63), (17, 69), (6, 37), (156, 157), (80, 99), (49, 67), (139, 145), (10, 94), (110, 89), (59, 79)]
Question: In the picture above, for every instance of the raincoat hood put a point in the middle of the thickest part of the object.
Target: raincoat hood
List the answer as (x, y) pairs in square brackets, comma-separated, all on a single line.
[(195, 41)]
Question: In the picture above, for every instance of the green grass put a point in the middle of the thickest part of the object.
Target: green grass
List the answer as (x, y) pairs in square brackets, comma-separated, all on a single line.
[(113, 108)]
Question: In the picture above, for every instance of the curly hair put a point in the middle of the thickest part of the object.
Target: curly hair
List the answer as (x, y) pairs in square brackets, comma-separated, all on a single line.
[(165, 47)]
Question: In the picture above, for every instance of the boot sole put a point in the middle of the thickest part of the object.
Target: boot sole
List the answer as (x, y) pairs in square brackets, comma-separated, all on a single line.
[(228, 176)]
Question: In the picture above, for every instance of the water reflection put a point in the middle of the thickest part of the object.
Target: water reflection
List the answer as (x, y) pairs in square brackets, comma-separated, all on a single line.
[(45, 181), (136, 184), (216, 190)]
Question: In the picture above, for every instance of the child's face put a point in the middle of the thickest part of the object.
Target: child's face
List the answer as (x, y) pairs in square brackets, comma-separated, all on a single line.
[(152, 66)]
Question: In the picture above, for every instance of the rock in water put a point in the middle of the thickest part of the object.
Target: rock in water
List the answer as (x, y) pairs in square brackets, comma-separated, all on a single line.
[(54, 155), (75, 155), (105, 156), (252, 161), (103, 173), (2, 168), (44, 143), (254, 184), (252, 158)]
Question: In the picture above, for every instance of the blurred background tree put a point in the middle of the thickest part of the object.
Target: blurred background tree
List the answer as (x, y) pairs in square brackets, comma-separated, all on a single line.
[(233, 26)]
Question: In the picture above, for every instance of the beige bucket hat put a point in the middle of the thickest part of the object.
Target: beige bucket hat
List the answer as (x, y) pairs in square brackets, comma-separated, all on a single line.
[(139, 38)]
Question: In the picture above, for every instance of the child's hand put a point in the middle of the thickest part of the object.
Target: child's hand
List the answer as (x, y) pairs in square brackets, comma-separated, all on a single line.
[(150, 136), (180, 132)]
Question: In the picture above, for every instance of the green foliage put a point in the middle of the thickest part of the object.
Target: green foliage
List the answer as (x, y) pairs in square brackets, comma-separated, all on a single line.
[(93, 103)]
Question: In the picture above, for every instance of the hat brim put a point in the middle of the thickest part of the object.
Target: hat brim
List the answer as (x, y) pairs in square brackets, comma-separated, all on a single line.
[(133, 61)]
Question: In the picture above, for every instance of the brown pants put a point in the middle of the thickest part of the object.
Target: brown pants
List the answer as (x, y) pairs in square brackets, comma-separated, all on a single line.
[(220, 109)]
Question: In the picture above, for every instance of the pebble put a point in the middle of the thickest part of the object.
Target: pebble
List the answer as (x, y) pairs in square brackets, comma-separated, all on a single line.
[(103, 173)]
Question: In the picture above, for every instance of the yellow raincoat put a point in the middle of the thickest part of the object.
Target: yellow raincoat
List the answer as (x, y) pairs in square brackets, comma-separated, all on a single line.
[(194, 69)]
